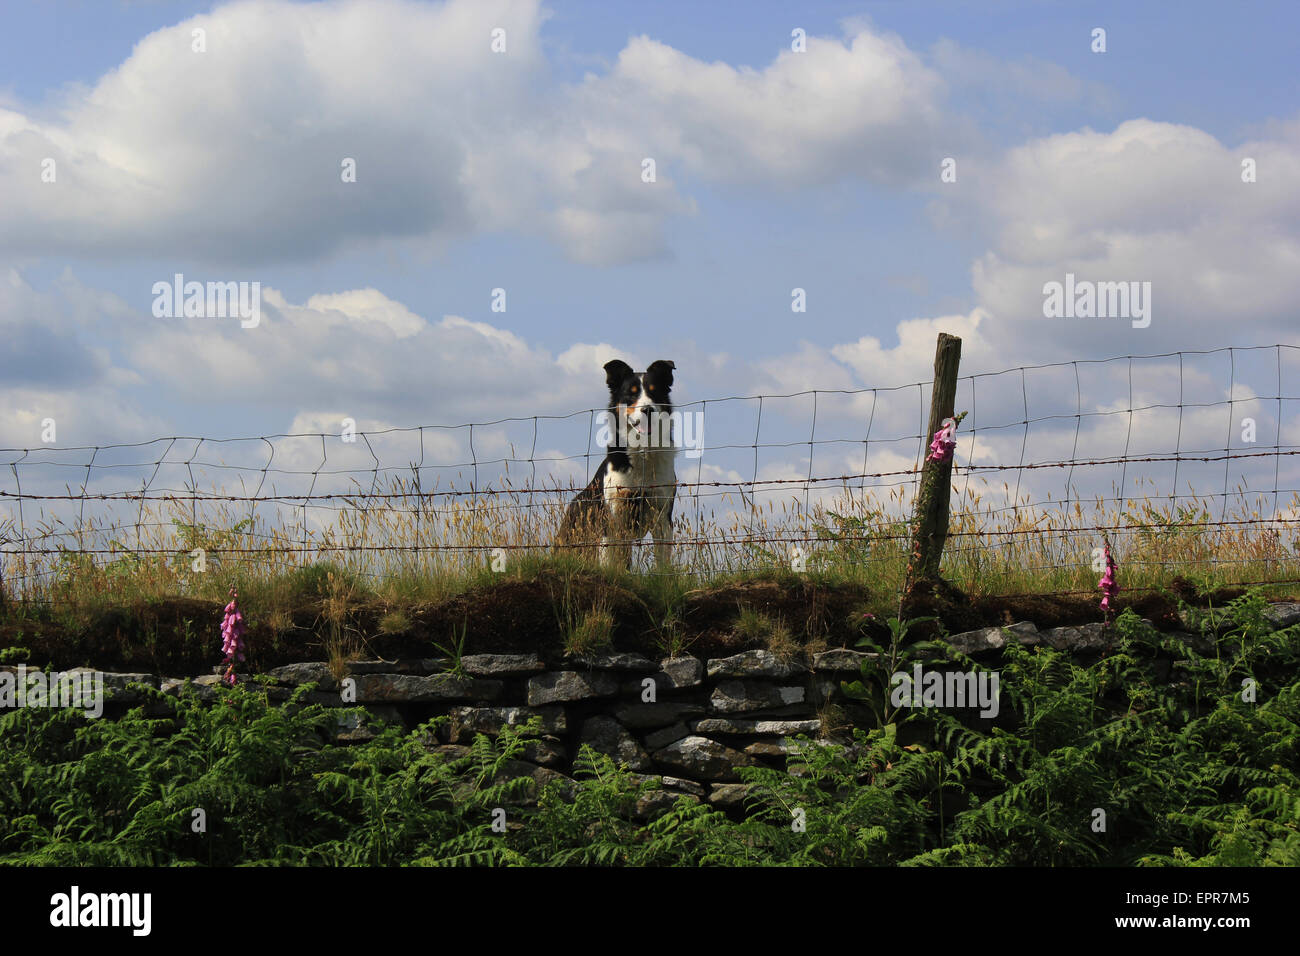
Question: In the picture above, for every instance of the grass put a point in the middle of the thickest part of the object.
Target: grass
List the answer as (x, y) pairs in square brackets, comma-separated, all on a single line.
[(772, 632), (407, 555)]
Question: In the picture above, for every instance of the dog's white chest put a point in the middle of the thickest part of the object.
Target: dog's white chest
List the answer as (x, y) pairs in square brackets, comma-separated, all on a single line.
[(651, 473)]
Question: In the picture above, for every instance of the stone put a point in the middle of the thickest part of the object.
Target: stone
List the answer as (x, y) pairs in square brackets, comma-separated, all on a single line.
[(357, 728), (784, 728), (608, 736), (700, 758), (411, 688), (842, 660), (546, 751), (678, 673), (1084, 637), (655, 803), (450, 752), (117, 686), (204, 687), (327, 699), (726, 796), (560, 686), (986, 639), (684, 785), (772, 748), (465, 722), (645, 716), (502, 665), (755, 664), (541, 777), (312, 672), (1283, 614), (610, 661), (731, 697), (422, 665), (662, 738)]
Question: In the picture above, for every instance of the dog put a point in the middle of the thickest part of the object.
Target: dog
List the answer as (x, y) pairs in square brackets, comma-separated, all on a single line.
[(634, 488)]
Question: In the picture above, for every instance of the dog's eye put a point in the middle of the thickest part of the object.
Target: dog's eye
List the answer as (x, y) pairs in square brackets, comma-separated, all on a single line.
[(650, 387)]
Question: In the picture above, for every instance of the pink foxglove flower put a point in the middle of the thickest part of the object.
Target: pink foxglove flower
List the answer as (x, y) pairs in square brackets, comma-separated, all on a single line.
[(942, 446), (232, 637), (1109, 586)]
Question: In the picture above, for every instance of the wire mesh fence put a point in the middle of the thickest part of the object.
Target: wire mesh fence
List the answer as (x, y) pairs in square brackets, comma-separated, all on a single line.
[(1178, 459)]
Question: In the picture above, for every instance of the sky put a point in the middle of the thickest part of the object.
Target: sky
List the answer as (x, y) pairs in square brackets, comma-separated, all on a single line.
[(129, 155)]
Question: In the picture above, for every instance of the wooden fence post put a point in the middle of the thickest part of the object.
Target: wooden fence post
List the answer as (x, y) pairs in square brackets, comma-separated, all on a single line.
[(930, 525)]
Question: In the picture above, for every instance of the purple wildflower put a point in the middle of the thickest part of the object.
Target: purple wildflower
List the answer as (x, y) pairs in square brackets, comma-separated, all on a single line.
[(1109, 586), (232, 637), (942, 446)]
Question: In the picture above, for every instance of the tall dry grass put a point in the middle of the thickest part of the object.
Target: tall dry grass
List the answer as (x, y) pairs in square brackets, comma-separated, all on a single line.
[(402, 548)]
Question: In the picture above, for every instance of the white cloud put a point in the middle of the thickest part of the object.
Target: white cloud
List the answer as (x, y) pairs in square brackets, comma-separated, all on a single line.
[(234, 154), (1151, 202)]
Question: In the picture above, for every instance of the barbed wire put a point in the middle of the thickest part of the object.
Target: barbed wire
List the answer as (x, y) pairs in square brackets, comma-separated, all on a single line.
[(434, 509)]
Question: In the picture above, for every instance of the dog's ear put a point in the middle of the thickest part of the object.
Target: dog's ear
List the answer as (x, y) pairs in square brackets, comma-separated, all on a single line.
[(663, 371), (616, 371)]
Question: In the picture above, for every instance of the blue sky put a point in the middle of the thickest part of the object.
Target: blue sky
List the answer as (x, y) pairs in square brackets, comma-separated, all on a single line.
[(776, 171)]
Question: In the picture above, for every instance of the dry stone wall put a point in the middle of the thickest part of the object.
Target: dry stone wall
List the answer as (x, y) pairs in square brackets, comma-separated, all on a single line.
[(691, 722)]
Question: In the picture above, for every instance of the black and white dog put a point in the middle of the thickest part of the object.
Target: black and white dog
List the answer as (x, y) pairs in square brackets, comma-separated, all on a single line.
[(634, 487)]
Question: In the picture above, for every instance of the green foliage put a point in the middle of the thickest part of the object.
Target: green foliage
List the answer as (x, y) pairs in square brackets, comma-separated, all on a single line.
[(1159, 735)]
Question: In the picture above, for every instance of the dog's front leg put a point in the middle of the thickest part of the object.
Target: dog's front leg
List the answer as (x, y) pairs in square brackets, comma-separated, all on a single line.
[(615, 545), (663, 537)]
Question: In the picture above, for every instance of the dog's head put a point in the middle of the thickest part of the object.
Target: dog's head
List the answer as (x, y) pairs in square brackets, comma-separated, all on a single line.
[(639, 398)]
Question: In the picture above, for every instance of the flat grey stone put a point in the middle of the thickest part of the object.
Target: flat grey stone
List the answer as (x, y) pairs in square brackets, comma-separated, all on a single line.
[(203, 687), (755, 664), (1283, 614), (1084, 637), (771, 748), (613, 661), (502, 665), (117, 686), (842, 660), (700, 758), (450, 751), (540, 776), (547, 752), (677, 784), (733, 697), (608, 736), (986, 639), (412, 688), (425, 665), (662, 738), (310, 672), (357, 728), (678, 673), (726, 796), (783, 728), (658, 802), (661, 714), (465, 722), (684, 785), (556, 687)]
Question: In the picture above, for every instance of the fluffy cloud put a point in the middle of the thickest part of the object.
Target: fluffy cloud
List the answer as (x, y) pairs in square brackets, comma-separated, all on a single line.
[(234, 154), (1149, 202)]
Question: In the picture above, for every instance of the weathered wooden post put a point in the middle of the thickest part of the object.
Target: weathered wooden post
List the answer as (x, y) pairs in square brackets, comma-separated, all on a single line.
[(930, 525)]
